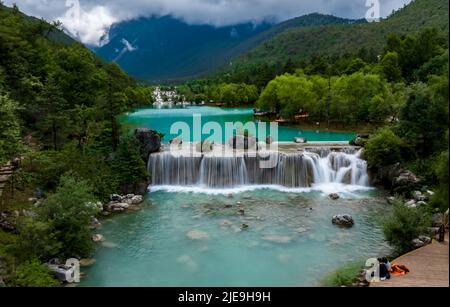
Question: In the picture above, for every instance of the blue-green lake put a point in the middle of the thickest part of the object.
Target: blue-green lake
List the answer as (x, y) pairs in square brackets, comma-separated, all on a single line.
[(194, 235), (161, 120)]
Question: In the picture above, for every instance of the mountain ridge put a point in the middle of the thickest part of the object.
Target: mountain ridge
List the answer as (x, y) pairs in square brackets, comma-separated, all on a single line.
[(154, 59)]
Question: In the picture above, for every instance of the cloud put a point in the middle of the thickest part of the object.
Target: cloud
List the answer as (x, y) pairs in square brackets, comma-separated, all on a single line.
[(96, 16), (127, 47)]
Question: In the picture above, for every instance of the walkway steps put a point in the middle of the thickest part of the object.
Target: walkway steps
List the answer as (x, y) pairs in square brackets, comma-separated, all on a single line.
[(429, 267), (5, 174)]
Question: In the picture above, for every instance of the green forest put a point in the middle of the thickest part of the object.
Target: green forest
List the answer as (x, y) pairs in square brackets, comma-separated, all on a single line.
[(58, 108)]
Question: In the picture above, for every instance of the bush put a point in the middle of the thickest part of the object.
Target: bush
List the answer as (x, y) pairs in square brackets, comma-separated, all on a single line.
[(34, 274), (404, 225), (69, 212), (383, 149), (344, 276), (36, 241)]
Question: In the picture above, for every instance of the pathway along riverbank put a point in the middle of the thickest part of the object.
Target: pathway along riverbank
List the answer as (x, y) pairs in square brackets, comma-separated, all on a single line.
[(428, 267)]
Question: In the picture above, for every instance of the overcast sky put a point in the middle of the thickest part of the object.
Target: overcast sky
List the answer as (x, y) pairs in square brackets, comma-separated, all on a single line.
[(96, 16)]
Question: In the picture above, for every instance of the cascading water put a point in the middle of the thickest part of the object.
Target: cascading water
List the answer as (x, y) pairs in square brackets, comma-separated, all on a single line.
[(292, 170)]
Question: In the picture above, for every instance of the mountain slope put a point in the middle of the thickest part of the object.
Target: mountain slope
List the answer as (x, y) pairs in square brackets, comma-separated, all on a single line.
[(302, 43), (167, 49)]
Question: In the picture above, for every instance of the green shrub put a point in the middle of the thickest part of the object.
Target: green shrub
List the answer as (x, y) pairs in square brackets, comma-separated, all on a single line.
[(383, 149), (404, 225), (34, 274), (69, 212), (36, 240), (344, 276)]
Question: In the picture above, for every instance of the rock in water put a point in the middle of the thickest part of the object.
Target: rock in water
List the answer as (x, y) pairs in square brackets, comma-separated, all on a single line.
[(343, 220), (86, 262), (197, 235), (334, 196), (137, 199), (98, 238), (278, 239)]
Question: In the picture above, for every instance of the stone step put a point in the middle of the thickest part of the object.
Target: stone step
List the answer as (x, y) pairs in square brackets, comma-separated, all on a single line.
[(4, 178)]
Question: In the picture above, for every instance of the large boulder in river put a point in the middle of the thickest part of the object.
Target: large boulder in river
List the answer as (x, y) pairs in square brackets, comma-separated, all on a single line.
[(243, 142), (149, 141), (344, 220)]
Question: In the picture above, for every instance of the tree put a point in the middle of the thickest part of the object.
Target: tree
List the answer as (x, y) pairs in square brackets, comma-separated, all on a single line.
[(53, 107), (391, 68), (423, 120), (404, 225), (69, 211), (128, 164), (9, 128), (36, 241), (34, 274), (383, 149)]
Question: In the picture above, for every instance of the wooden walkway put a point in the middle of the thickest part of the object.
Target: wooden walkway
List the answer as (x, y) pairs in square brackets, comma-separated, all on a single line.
[(428, 267)]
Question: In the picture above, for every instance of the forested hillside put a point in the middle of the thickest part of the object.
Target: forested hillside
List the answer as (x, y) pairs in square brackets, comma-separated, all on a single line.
[(58, 108), (296, 46)]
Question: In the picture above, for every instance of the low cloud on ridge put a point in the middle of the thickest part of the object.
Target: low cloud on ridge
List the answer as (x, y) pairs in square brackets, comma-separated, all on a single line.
[(96, 16)]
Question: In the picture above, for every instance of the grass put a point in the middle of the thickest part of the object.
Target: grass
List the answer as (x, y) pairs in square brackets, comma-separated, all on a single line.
[(344, 276)]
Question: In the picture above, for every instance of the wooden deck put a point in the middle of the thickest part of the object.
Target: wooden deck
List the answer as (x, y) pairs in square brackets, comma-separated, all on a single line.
[(428, 267)]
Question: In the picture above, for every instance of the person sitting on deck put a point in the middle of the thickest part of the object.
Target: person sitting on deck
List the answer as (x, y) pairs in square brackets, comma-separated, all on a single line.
[(383, 270), (387, 263)]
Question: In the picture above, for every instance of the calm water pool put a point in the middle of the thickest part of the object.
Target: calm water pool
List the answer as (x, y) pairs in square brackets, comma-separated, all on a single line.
[(162, 119), (290, 240), (193, 236)]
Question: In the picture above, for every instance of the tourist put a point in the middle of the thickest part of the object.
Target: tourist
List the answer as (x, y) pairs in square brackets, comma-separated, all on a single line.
[(383, 270), (387, 263)]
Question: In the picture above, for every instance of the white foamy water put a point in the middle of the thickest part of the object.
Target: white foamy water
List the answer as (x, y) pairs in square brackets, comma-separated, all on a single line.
[(228, 171)]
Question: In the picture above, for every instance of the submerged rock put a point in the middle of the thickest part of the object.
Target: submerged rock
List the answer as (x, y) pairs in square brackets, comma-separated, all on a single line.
[(278, 239), (87, 262), (197, 235), (343, 220), (226, 223), (188, 262)]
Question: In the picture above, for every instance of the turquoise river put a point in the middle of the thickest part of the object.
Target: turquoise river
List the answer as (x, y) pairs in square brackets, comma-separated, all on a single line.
[(193, 236)]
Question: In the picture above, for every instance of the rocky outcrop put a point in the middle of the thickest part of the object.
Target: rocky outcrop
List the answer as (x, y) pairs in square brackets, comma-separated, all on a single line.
[(398, 179), (344, 220), (149, 141), (120, 203), (421, 241), (360, 140)]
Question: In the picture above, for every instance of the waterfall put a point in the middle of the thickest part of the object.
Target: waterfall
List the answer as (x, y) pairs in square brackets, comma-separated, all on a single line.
[(293, 170)]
